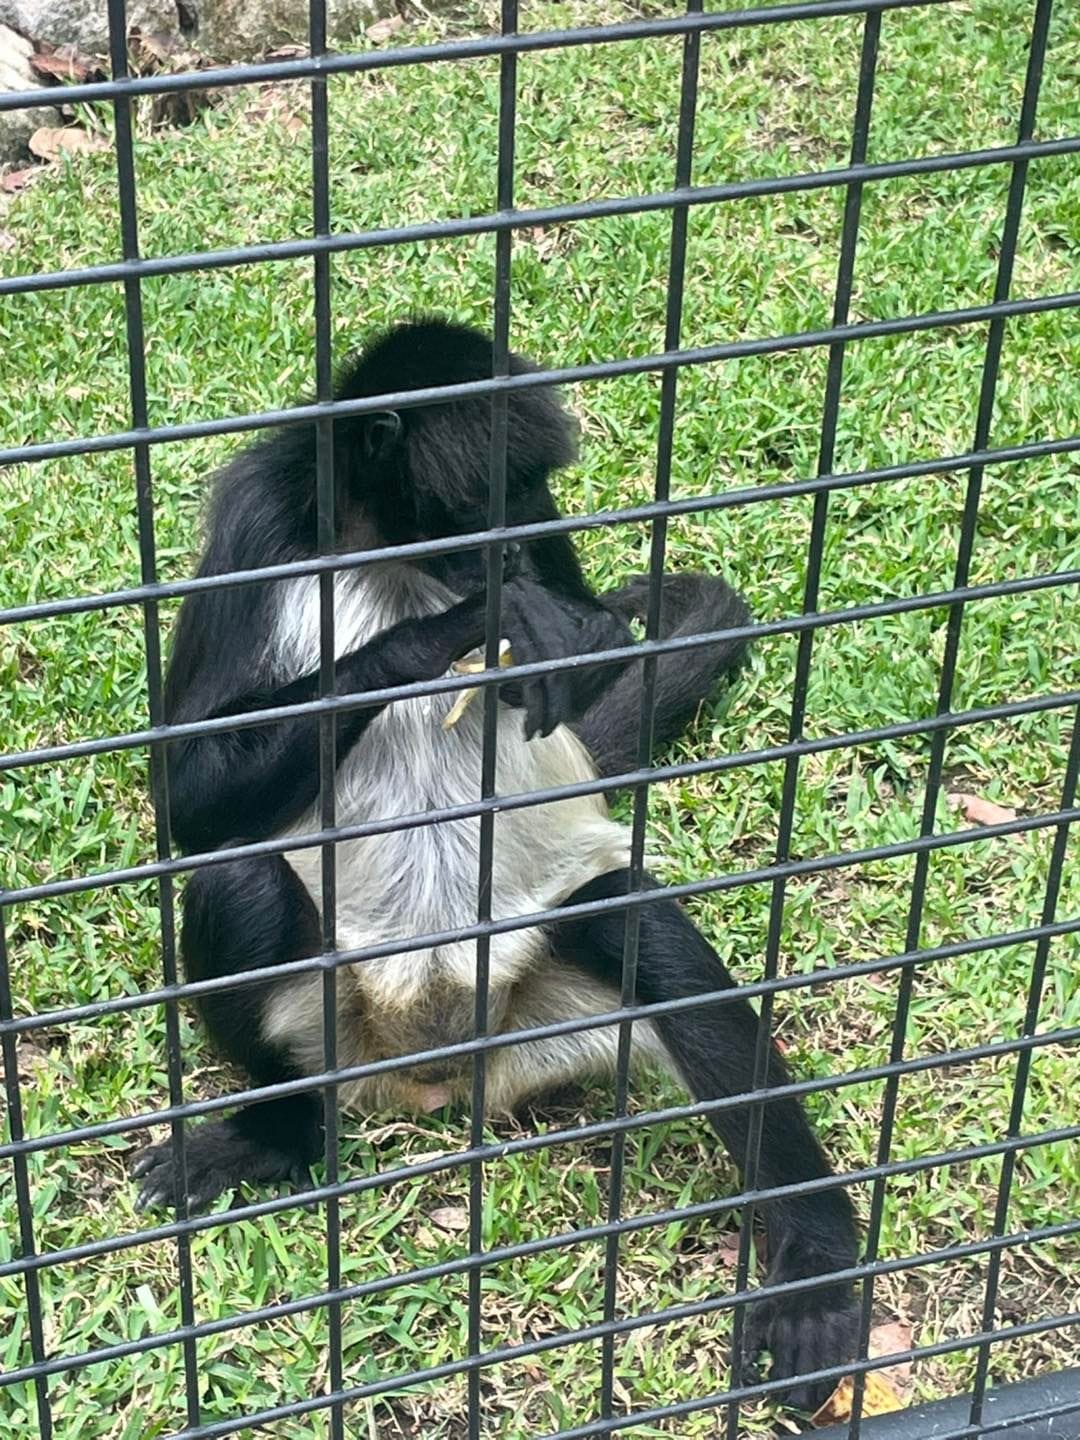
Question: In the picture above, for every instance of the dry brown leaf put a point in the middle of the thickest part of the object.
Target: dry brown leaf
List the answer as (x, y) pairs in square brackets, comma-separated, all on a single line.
[(728, 1251), (287, 52), (893, 1338), (50, 142), (65, 64), (275, 105), (886, 1390), (980, 811), (383, 29), (879, 1398), (18, 179), (7, 241), (450, 1217)]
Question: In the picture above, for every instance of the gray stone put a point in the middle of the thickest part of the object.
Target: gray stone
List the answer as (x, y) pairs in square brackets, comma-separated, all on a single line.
[(16, 126), (219, 29), (84, 23), (246, 29)]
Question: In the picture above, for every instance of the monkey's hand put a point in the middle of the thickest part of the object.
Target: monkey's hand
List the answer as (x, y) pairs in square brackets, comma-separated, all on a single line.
[(541, 624)]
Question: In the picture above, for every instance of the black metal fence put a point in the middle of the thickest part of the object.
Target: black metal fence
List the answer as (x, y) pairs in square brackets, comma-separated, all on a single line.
[(331, 1395)]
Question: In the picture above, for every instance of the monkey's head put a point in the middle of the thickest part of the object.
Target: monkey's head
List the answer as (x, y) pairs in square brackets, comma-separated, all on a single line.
[(423, 472)]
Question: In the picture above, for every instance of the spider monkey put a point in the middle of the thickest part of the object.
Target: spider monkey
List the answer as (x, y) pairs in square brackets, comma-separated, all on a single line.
[(411, 475)]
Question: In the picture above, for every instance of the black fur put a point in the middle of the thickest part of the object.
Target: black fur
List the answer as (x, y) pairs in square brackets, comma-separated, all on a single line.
[(242, 915), (404, 475), (714, 1048)]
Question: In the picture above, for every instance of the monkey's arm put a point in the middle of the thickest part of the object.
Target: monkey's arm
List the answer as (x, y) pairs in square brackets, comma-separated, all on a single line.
[(253, 781)]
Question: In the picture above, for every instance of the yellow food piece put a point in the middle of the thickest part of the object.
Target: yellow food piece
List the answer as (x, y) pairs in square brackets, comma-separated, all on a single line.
[(879, 1398), (472, 664)]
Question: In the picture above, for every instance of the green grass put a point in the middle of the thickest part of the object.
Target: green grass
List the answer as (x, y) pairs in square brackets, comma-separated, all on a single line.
[(418, 143)]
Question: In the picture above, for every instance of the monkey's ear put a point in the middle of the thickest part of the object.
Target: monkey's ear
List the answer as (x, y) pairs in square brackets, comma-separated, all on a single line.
[(382, 431)]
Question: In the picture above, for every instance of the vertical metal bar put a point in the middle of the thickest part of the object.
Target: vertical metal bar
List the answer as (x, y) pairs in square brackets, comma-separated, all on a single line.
[(325, 530), (684, 159), (1024, 1062), (159, 787), (500, 366), (965, 548), (23, 1199), (845, 272)]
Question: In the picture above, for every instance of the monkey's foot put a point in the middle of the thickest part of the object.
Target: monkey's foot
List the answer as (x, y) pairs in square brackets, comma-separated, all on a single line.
[(217, 1159), (807, 1331)]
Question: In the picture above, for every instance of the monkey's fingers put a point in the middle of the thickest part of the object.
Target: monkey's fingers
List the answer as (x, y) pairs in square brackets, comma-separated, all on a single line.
[(549, 703)]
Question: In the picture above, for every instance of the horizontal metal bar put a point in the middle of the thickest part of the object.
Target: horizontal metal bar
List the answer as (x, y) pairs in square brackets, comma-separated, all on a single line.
[(790, 625), (304, 68), (601, 785), (575, 1135), (565, 525), (346, 1074), (748, 1392), (712, 885), (254, 1210), (505, 1254), (567, 375), (466, 226), (1042, 1408), (121, 1004), (624, 1326), (686, 890)]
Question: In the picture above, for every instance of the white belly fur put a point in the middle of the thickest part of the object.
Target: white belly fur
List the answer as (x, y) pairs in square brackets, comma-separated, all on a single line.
[(424, 880)]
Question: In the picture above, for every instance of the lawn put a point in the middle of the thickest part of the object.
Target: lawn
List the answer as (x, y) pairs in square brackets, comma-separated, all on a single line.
[(418, 143)]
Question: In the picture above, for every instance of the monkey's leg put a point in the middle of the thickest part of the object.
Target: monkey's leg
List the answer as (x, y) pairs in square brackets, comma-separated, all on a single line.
[(712, 1049), (239, 916), (693, 605)]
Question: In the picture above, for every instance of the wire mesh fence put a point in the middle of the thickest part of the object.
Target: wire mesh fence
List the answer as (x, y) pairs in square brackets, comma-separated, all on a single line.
[(41, 1356)]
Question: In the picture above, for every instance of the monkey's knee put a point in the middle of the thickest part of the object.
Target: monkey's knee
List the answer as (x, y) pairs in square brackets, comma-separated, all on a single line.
[(245, 913)]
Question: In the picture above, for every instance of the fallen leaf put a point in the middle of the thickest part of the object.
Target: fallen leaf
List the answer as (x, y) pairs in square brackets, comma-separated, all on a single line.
[(450, 1217), (50, 142), (893, 1338), (287, 52), (980, 811), (276, 106), (7, 241), (17, 179), (65, 64), (728, 1252), (879, 1398), (154, 54), (383, 29)]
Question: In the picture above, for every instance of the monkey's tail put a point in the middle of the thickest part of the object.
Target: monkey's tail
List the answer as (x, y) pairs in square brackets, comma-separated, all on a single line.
[(693, 604)]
